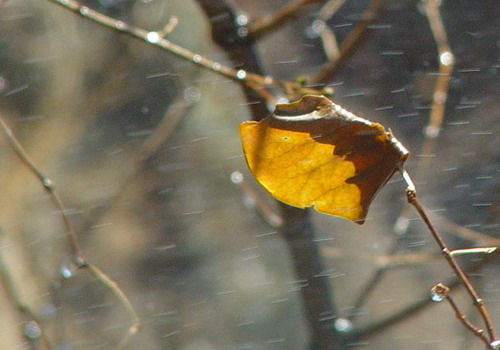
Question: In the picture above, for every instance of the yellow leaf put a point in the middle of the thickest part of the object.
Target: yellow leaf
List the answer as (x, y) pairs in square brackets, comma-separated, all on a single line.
[(314, 153)]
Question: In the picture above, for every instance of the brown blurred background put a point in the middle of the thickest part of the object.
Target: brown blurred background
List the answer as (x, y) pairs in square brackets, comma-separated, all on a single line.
[(185, 243)]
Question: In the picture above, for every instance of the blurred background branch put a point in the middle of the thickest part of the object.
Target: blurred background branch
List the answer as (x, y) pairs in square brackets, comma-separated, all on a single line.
[(200, 265)]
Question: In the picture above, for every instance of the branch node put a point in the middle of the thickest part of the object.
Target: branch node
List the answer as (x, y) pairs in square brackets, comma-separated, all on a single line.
[(48, 184), (80, 263), (411, 194), (479, 302)]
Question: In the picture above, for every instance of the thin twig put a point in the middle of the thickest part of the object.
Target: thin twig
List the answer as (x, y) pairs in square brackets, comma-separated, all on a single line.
[(264, 25), (478, 302), (156, 39), (328, 38), (464, 232), (446, 63), (479, 332), (349, 43), (383, 262), (410, 310), (147, 150), (76, 252), (329, 9), (467, 251), (13, 295), (169, 27), (441, 292), (266, 212), (162, 132)]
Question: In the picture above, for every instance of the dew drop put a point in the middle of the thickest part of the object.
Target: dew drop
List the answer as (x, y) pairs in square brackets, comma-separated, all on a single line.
[(47, 183), (197, 58), (66, 271), (241, 74), (249, 202), (236, 177), (153, 37), (439, 292), (446, 58), (120, 25), (242, 20), (242, 32), (431, 132), (315, 29), (436, 296), (216, 66), (439, 97), (318, 26), (401, 226), (84, 10), (268, 79), (192, 94), (343, 325), (32, 330)]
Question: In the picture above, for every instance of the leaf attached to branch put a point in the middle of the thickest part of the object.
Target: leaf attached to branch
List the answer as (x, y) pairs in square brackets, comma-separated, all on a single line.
[(315, 153)]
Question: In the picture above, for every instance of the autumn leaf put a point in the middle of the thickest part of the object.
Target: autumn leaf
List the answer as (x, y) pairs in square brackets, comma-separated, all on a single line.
[(315, 153)]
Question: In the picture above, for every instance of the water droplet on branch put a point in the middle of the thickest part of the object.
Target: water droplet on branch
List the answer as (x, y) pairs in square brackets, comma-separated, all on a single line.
[(32, 330), (439, 292), (242, 20), (236, 177), (84, 10), (241, 74), (153, 37), (343, 325), (446, 58), (66, 270)]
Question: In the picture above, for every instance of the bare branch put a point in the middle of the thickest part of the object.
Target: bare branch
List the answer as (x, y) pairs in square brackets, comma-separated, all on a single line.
[(446, 62), (349, 43), (328, 38), (267, 213), (478, 302), (442, 292), (266, 24), (157, 39), (481, 250), (464, 232), (76, 253), (13, 294)]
